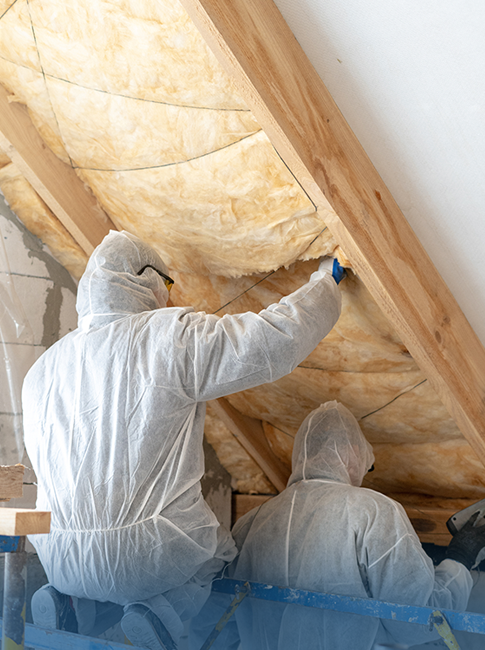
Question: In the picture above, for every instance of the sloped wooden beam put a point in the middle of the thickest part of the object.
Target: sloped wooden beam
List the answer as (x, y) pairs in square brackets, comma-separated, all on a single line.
[(57, 183), (250, 434), (271, 71)]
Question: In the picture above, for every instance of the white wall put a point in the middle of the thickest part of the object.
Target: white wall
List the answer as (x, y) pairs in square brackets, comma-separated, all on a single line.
[(47, 294), (409, 77)]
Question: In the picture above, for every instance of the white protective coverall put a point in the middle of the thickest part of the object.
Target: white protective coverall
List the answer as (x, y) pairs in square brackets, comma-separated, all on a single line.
[(324, 533), (114, 419)]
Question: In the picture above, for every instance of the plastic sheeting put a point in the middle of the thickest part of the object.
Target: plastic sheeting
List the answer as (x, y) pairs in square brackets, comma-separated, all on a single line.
[(16, 356)]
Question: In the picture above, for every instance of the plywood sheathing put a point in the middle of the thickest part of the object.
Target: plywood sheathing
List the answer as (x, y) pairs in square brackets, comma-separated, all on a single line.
[(130, 96)]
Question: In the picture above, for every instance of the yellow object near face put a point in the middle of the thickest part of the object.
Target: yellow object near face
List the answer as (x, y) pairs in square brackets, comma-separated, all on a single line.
[(166, 279)]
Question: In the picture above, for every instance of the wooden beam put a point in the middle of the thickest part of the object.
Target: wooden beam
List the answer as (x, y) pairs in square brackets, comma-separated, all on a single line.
[(256, 47), (21, 521), (57, 183), (243, 503), (250, 434), (11, 481)]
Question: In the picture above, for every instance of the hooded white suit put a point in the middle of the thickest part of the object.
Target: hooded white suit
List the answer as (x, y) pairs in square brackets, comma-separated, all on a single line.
[(114, 419), (324, 533)]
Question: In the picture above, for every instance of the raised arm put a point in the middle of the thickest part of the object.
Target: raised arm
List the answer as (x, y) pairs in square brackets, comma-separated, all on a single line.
[(237, 352)]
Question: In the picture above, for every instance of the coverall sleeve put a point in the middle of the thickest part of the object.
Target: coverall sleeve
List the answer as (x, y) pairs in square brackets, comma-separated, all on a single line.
[(237, 352), (399, 571)]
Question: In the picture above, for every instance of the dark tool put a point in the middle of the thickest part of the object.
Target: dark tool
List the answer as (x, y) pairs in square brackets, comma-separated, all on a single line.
[(457, 521)]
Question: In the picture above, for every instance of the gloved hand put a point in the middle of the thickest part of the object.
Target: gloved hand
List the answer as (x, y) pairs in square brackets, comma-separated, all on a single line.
[(332, 265), (467, 543)]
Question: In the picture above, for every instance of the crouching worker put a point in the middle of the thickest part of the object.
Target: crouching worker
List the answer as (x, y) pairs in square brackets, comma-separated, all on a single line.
[(114, 419), (325, 533)]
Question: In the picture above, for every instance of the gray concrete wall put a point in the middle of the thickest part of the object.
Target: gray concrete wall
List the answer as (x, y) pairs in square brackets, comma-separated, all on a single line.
[(47, 294)]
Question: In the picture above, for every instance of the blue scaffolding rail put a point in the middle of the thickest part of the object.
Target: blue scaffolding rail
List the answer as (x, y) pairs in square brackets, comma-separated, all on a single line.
[(458, 621), (445, 621)]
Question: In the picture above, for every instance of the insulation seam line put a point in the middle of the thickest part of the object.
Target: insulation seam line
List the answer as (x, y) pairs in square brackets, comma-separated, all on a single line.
[(348, 372), (114, 94), (143, 99), (393, 400), (8, 9), (301, 186), (45, 81), (242, 294), (172, 164), (282, 430)]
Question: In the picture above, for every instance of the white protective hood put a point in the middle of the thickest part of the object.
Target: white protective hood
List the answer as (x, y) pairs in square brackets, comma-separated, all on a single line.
[(110, 287), (330, 445)]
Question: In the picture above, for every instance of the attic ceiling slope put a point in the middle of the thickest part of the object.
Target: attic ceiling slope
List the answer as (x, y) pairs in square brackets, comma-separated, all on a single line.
[(253, 43), (129, 95)]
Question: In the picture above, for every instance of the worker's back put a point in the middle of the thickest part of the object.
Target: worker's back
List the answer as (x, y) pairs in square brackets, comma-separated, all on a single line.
[(107, 445), (326, 534), (110, 419), (113, 419), (314, 536)]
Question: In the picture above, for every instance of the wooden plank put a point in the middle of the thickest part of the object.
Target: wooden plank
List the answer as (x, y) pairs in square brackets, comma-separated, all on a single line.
[(250, 434), (57, 183), (288, 98), (21, 521), (11, 481), (243, 503)]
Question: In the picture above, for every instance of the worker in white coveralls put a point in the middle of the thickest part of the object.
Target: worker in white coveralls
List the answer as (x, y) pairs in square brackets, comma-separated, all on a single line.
[(114, 418), (327, 534)]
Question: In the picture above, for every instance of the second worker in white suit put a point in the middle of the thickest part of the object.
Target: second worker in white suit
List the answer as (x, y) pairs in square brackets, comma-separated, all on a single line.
[(114, 419), (327, 534)]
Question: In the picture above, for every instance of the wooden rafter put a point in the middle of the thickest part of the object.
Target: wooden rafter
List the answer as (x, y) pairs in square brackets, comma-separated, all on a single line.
[(256, 47), (57, 183), (249, 432)]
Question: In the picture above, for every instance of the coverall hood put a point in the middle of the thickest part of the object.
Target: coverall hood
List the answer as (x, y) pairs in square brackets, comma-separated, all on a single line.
[(330, 445), (110, 287)]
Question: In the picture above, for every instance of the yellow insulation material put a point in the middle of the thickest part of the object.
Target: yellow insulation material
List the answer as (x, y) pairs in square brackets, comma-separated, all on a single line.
[(34, 213), (128, 93)]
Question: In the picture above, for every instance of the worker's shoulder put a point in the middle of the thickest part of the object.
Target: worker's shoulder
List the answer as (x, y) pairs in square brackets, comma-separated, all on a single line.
[(384, 504)]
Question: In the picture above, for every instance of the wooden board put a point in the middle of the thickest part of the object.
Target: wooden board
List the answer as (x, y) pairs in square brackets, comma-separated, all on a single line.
[(255, 46), (20, 521), (249, 432), (243, 503), (57, 183), (11, 481)]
